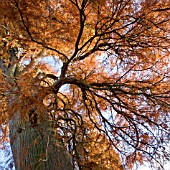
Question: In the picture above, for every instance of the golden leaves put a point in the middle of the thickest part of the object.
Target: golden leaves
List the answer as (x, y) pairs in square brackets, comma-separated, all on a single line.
[(115, 75)]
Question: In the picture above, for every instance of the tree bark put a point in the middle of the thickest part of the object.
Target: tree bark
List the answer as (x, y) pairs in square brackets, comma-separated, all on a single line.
[(36, 148), (33, 148)]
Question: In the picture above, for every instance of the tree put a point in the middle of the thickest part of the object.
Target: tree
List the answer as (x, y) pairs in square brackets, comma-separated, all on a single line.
[(84, 82)]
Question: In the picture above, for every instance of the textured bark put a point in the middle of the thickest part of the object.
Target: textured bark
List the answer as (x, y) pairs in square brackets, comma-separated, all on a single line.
[(33, 148), (36, 148)]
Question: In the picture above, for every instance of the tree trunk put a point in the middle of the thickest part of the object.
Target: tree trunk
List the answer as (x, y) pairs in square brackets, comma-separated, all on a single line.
[(33, 148), (36, 148)]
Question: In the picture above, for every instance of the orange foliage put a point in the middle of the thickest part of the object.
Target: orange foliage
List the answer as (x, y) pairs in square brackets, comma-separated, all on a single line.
[(111, 76)]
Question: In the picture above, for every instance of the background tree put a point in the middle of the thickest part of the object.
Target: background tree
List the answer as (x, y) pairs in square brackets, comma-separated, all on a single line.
[(90, 78)]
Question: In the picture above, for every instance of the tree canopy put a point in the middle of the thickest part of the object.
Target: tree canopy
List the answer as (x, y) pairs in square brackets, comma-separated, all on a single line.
[(98, 71)]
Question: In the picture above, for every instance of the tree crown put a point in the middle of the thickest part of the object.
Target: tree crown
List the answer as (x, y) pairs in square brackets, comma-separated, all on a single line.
[(99, 67)]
